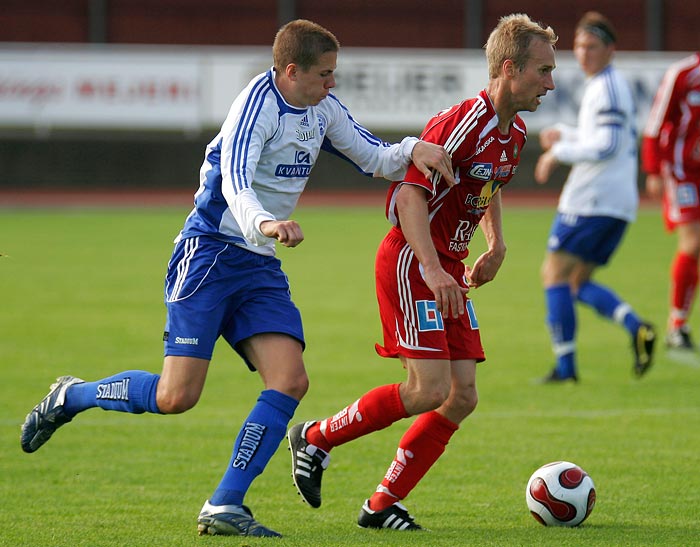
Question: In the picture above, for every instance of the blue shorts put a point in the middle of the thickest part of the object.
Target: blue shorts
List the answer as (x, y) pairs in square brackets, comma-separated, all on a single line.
[(593, 239), (214, 289)]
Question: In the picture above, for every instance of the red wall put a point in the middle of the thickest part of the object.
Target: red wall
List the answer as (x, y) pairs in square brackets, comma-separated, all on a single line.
[(367, 23)]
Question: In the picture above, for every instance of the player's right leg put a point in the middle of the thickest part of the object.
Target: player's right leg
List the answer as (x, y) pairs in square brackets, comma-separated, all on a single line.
[(133, 391), (311, 442), (192, 327), (561, 314), (684, 284), (683, 216)]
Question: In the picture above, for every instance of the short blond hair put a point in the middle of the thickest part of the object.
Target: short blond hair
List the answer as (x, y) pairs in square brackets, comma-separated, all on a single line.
[(511, 40)]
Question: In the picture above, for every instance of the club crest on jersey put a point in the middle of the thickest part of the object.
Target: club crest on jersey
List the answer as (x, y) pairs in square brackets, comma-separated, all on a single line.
[(481, 171)]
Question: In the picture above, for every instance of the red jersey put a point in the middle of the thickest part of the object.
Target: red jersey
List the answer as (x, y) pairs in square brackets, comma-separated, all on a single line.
[(672, 133), (483, 160)]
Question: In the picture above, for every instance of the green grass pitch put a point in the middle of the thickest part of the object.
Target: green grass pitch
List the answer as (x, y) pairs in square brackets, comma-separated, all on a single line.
[(82, 294)]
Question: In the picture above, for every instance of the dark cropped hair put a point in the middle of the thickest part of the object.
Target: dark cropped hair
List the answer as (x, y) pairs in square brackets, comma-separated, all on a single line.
[(302, 42), (598, 25)]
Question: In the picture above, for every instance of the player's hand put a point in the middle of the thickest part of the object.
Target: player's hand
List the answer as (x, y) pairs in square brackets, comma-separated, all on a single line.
[(655, 186), (485, 268), (287, 232), (429, 157), (449, 295), (546, 164), (548, 137)]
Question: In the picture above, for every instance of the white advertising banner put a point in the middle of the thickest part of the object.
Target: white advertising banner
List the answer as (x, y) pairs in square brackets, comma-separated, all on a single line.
[(191, 89), (65, 88)]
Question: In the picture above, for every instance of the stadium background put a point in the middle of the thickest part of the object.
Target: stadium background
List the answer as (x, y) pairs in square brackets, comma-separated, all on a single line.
[(37, 158)]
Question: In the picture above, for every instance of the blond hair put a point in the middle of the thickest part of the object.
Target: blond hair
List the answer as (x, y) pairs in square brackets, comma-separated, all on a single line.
[(511, 40)]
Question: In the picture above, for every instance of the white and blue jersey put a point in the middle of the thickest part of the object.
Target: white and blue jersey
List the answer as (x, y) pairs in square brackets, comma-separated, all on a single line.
[(223, 279), (603, 151), (256, 168)]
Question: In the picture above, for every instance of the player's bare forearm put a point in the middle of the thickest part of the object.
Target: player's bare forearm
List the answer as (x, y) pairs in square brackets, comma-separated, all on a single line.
[(546, 164), (413, 213), (487, 265), (654, 186)]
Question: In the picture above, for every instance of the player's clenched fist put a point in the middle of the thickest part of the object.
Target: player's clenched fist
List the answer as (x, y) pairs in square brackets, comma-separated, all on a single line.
[(287, 232)]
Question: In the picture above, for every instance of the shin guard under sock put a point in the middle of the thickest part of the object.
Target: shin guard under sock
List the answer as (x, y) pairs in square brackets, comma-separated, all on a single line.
[(419, 449), (132, 391), (375, 410)]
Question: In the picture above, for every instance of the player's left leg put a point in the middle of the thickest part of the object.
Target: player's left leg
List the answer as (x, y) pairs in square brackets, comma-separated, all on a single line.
[(684, 284), (278, 360), (606, 234), (609, 305), (426, 387), (419, 448)]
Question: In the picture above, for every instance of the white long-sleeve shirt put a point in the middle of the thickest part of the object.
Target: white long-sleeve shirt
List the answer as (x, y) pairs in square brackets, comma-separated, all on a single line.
[(602, 150), (257, 166)]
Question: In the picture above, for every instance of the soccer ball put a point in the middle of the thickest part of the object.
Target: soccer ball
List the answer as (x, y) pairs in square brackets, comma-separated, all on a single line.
[(560, 494)]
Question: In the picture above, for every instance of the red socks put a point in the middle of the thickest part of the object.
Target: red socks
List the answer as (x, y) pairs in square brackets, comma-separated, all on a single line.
[(375, 410), (684, 283), (419, 449)]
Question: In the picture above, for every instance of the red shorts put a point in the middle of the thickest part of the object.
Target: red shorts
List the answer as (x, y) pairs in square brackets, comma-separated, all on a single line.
[(411, 323), (681, 204)]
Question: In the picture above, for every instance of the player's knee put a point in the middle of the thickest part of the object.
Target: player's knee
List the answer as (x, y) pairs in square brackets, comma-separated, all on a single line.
[(462, 403), (298, 386), (468, 400), (294, 385), (176, 402), (430, 398)]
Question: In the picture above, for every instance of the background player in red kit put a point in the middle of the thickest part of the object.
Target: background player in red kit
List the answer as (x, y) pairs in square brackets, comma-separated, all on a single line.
[(671, 159), (428, 322)]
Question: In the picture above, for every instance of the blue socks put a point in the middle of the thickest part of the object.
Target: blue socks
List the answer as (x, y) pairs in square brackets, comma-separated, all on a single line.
[(561, 320), (257, 442), (132, 391), (609, 305)]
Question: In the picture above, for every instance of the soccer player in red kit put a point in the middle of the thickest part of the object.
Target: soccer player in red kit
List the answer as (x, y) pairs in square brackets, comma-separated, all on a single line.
[(429, 323), (671, 159)]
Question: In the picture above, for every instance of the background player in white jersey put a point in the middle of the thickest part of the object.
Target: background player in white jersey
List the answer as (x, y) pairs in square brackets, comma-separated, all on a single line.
[(428, 322), (223, 278), (671, 159), (598, 201)]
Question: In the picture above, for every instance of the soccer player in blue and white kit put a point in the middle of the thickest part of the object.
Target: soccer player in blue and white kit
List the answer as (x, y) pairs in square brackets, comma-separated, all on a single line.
[(223, 278), (598, 201)]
